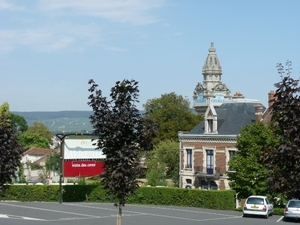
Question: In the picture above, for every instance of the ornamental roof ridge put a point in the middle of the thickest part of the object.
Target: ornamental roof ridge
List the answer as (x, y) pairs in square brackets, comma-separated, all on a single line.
[(242, 100)]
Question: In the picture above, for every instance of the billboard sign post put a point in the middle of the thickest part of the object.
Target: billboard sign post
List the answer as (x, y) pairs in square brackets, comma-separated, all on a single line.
[(79, 158), (82, 159)]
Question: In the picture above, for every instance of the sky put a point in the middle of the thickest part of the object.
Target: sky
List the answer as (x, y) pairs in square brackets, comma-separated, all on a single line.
[(50, 49)]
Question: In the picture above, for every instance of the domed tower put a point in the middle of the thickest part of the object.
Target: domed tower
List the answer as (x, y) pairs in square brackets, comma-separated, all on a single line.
[(212, 91)]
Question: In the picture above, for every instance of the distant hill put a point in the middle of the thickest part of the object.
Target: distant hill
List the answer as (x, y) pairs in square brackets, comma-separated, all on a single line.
[(61, 121)]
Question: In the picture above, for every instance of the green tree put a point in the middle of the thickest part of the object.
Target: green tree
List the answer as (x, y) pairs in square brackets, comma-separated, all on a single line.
[(10, 149), (173, 113), (53, 162), (155, 175), (250, 174), (31, 140), (283, 162), (21, 175), (121, 132), (163, 163), (19, 123), (40, 129), (37, 135)]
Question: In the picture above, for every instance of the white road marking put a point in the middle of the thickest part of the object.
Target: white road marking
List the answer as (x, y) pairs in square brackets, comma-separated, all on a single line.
[(128, 213), (18, 217), (279, 219), (158, 215), (29, 218), (51, 210), (3, 216)]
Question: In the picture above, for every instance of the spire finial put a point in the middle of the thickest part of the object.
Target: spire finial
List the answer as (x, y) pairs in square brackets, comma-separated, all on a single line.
[(212, 49)]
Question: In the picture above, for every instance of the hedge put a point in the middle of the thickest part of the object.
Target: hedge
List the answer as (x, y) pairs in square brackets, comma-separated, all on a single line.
[(221, 199)]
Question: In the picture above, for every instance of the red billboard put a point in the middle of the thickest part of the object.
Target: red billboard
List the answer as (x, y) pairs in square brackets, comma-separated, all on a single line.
[(83, 168)]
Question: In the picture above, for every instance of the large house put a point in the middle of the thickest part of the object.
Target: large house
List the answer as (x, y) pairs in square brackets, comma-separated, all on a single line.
[(206, 150)]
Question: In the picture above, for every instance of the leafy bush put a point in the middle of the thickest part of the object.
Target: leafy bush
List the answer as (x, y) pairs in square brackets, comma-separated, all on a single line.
[(184, 197), (143, 195), (278, 211)]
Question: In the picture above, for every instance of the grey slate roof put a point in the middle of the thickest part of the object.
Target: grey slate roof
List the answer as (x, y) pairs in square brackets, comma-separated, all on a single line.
[(232, 117)]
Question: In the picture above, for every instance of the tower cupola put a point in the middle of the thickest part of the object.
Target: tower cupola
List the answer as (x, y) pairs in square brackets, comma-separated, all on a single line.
[(211, 91), (212, 65)]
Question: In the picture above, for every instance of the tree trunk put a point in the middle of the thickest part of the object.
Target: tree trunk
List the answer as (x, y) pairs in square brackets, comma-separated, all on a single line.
[(119, 216)]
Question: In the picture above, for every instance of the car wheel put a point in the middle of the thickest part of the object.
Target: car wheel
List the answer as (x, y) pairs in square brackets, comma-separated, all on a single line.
[(267, 216), (244, 215)]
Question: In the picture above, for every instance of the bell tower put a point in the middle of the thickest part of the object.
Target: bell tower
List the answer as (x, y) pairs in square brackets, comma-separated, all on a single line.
[(212, 91)]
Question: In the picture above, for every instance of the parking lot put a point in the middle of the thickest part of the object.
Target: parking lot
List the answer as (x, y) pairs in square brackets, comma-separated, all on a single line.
[(32, 213)]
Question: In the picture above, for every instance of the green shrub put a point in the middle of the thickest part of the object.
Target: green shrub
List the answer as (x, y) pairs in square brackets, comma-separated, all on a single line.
[(184, 197), (31, 193), (143, 195), (278, 211)]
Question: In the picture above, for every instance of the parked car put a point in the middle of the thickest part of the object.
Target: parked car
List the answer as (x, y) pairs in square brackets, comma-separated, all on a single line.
[(257, 205), (292, 210)]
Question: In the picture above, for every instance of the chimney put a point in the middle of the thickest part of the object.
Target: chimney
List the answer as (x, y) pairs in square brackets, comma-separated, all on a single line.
[(238, 95), (258, 112), (271, 98)]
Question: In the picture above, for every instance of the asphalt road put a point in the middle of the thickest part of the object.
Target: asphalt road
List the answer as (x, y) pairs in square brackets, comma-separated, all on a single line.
[(45, 213)]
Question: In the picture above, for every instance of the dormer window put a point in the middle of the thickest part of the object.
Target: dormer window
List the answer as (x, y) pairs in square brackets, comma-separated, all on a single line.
[(210, 125)]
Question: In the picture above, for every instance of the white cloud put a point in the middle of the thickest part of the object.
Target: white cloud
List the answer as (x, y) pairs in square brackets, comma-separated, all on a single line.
[(52, 38), (44, 32), (123, 11), (5, 5), (59, 44), (115, 50), (9, 39)]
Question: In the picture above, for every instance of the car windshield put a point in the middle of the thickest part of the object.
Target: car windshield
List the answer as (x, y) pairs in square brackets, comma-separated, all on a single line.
[(256, 201), (294, 204)]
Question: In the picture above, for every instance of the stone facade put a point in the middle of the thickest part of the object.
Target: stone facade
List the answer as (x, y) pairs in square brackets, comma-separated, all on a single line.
[(206, 150), (202, 173)]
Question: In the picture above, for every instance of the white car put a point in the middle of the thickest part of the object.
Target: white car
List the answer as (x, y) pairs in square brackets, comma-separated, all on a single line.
[(258, 205), (292, 210)]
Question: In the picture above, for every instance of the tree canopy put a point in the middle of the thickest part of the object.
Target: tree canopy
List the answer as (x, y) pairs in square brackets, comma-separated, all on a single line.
[(37, 135), (40, 129), (33, 140), (53, 162), (19, 123), (173, 113), (163, 163), (283, 162), (248, 174), (10, 149), (121, 132)]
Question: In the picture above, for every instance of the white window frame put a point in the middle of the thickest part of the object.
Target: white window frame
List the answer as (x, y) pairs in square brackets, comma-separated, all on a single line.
[(228, 156), (188, 159), (205, 157)]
